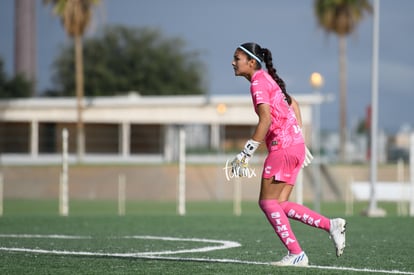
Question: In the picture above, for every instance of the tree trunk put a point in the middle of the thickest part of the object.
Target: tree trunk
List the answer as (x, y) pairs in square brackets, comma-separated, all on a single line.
[(342, 97), (25, 40), (79, 96)]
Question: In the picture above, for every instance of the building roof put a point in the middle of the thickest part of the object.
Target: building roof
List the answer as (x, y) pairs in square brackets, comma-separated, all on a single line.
[(134, 108)]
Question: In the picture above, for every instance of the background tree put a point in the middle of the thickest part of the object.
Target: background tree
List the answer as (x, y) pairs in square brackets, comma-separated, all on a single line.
[(18, 86), (123, 59), (341, 17), (75, 16)]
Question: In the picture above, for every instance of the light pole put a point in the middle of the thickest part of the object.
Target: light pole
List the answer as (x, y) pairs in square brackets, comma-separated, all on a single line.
[(316, 81), (373, 209)]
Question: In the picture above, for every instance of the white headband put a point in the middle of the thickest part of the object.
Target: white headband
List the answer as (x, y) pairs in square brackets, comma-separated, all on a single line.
[(250, 53)]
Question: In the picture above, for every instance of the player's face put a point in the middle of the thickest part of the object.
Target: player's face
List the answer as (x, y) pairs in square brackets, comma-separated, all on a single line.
[(242, 66)]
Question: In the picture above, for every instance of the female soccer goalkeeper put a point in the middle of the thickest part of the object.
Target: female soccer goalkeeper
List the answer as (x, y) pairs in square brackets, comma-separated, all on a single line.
[(279, 129)]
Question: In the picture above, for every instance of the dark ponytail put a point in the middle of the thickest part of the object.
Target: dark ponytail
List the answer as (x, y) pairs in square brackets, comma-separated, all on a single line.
[(264, 55)]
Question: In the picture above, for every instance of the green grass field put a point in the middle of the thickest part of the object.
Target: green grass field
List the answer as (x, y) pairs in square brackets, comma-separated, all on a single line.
[(93, 239)]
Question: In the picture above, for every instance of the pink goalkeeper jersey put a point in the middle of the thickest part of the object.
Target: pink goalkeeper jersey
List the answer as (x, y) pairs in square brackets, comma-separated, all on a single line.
[(284, 130)]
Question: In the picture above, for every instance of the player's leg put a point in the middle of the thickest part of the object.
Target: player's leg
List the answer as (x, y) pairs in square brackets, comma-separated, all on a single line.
[(277, 218), (335, 227), (305, 215), (286, 167), (293, 159)]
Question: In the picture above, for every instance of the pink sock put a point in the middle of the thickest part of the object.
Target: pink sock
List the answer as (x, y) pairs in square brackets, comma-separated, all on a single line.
[(305, 215), (280, 223)]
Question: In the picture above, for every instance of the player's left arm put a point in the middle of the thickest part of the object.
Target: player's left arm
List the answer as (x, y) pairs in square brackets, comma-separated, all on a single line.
[(263, 111), (241, 161)]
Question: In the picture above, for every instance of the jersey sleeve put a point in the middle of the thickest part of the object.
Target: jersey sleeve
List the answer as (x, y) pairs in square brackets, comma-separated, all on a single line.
[(260, 93)]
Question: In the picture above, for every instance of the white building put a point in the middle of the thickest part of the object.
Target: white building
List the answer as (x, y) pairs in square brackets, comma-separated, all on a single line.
[(126, 127)]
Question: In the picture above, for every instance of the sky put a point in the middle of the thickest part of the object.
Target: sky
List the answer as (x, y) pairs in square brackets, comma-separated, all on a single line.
[(288, 28)]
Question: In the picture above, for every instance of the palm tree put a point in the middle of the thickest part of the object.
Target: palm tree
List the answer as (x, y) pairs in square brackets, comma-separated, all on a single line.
[(76, 16), (341, 17)]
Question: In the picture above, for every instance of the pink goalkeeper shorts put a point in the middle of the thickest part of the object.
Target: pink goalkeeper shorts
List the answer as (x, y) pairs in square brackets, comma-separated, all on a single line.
[(284, 164)]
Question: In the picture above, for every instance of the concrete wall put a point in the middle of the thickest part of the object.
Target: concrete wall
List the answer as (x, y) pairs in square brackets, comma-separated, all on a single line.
[(159, 182)]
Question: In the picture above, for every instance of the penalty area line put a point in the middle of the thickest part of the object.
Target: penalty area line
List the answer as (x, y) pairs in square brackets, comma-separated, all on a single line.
[(361, 269), (183, 259), (232, 261)]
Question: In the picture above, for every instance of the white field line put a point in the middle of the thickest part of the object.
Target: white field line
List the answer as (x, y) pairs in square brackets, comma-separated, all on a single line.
[(38, 236), (221, 244), (224, 245), (156, 255), (268, 263)]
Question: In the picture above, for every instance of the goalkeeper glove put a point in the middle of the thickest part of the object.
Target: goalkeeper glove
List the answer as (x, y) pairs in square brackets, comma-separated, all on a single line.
[(308, 157), (240, 164)]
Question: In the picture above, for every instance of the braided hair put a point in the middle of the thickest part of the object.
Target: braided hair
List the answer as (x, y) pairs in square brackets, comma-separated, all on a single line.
[(258, 53)]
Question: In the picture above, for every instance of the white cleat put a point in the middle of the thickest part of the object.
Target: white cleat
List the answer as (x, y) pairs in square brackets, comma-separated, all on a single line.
[(293, 260), (337, 234)]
